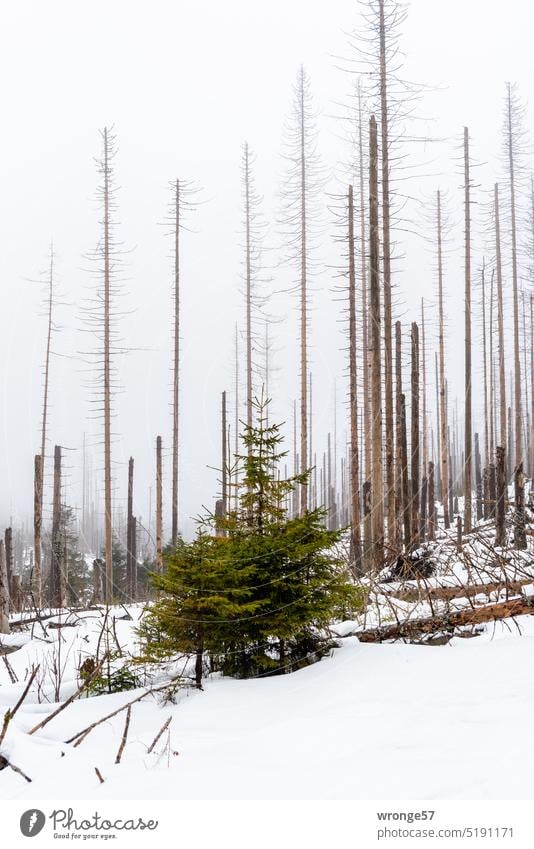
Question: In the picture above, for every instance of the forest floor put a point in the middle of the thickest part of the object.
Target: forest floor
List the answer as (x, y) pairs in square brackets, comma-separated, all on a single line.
[(383, 719)]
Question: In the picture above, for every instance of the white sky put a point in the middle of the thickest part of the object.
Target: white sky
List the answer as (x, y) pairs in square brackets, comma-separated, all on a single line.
[(185, 83)]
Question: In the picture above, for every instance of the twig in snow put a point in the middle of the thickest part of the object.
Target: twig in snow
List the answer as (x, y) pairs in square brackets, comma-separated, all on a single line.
[(4, 762), (124, 735), (69, 701), (10, 713), (81, 735), (160, 732)]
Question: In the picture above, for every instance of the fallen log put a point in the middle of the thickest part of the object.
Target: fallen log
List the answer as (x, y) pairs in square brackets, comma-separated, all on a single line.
[(412, 628), (459, 591)]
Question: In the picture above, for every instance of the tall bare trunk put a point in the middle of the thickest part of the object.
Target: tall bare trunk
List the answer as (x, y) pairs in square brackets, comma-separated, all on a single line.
[(129, 530), (176, 363), (37, 575), (377, 514), (353, 396), (57, 573), (399, 462), (416, 492), (386, 254), (367, 530), (431, 502), (4, 591), (517, 361), (108, 536), (500, 324), (500, 507), (303, 302), (159, 507), (468, 449), (444, 428)]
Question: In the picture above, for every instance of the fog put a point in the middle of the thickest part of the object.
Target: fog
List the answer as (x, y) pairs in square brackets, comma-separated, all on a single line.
[(184, 84)]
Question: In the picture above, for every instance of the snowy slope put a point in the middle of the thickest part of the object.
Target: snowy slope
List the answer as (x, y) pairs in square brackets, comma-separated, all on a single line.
[(372, 721)]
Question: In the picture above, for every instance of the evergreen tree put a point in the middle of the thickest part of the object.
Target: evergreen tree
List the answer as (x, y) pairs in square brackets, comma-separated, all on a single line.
[(259, 598)]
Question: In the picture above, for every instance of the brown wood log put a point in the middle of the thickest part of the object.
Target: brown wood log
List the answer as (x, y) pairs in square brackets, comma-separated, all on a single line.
[(447, 622)]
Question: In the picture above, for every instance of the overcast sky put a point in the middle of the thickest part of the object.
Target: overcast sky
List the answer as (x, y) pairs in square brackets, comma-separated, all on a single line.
[(184, 84)]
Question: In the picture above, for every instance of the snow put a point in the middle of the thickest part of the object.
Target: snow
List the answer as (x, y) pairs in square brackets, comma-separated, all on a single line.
[(370, 721)]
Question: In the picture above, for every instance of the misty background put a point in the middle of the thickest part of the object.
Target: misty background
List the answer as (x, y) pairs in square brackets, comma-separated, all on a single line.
[(184, 84)]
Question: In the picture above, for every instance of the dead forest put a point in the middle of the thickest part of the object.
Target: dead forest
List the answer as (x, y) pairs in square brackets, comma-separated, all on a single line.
[(423, 474)]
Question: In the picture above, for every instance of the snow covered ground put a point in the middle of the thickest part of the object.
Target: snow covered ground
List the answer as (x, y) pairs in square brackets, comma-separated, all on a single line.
[(371, 721)]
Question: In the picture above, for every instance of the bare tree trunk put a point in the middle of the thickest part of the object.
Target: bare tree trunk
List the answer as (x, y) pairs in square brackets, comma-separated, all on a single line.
[(526, 463), (57, 574), (97, 580), (303, 302), (424, 483), (415, 501), (8, 541), (353, 396), (133, 576), (367, 529), (129, 531), (500, 507), (248, 283), (478, 479), (400, 466), (485, 370), (386, 254), (176, 364), (444, 450), (468, 450), (4, 591), (517, 361), (224, 448), (37, 527), (431, 503), (406, 501), (500, 324), (159, 508), (377, 515), (108, 536)]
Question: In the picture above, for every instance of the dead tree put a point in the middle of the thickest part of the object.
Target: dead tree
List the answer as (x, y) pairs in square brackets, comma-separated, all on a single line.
[(4, 591), (386, 254), (159, 507), (8, 541), (500, 506), (468, 450), (303, 183), (37, 528), (500, 323), (57, 548), (39, 474), (97, 580), (478, 479), (377, 513), (399, 467), (431, 502), (424, 483), (443, 415), (512, 143), (353, 398), (252, 227), (407, 517), (367, 530), (416, 492), (103, 313), (129, 530), (133, 564)]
